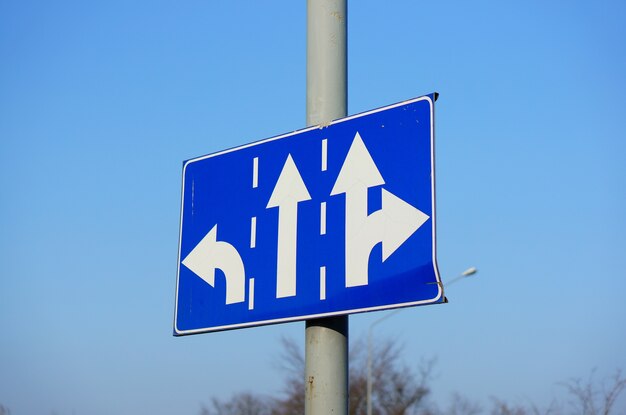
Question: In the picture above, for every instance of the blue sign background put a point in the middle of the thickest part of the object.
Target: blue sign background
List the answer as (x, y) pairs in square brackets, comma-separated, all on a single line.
[(217, 189)]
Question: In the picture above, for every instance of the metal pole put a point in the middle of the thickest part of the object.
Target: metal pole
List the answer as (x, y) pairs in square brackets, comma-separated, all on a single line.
[(326, 367), (327, 62), (326, 347)]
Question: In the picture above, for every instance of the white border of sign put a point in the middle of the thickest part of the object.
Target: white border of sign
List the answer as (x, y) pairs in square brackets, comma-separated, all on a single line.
[(336, 313)]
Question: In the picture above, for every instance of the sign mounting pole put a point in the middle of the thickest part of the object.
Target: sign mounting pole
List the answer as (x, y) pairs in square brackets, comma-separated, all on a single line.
[(326, 346)]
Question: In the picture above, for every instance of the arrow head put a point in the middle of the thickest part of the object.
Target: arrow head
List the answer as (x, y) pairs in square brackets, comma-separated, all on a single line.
[(358, 170), (199, 259), (401, 221), (290, 187), (211, 254)]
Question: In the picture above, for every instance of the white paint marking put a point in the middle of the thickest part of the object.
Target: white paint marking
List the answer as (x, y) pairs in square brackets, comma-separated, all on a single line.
[(211, 254), (327, 314), (289, 191), (255, 172), (253, 232), (251, 294), (324, 154), (392, 225), (322, 283), (323, 218)]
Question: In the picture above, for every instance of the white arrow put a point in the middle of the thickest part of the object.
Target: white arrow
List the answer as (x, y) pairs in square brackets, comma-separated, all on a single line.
[(288, 192), (399, 221), (392, 225), (211, 254)]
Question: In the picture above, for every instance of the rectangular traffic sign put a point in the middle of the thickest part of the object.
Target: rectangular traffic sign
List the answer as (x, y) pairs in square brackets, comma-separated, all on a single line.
[(324, 221)]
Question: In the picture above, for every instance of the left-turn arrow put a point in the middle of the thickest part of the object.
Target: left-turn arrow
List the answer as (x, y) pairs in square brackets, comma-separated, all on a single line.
[(211, 254)]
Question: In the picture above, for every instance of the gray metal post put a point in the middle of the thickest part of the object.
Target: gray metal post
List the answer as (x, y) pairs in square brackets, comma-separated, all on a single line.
[(326, 368), (327, 61), (326, 347)]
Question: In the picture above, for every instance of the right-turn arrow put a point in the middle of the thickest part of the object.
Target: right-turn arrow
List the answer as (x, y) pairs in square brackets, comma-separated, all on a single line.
[(392, 225)]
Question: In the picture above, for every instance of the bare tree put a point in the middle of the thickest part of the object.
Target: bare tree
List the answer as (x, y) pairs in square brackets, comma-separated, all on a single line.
[(590, 399), (4, 410), (503, 408), (460, 405), (240, 404), (292, 364), (396, 388), (500, 407)]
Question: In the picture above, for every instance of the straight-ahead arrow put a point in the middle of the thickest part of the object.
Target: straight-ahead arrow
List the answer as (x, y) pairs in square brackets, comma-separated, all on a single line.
[(358, 173), (288, 192), (392, 225)]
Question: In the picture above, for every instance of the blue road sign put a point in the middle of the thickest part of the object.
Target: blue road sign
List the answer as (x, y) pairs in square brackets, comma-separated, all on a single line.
[(324, 221)]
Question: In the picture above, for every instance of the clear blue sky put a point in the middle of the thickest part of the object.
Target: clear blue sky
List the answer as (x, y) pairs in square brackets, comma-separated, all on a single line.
[(100, 102)]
